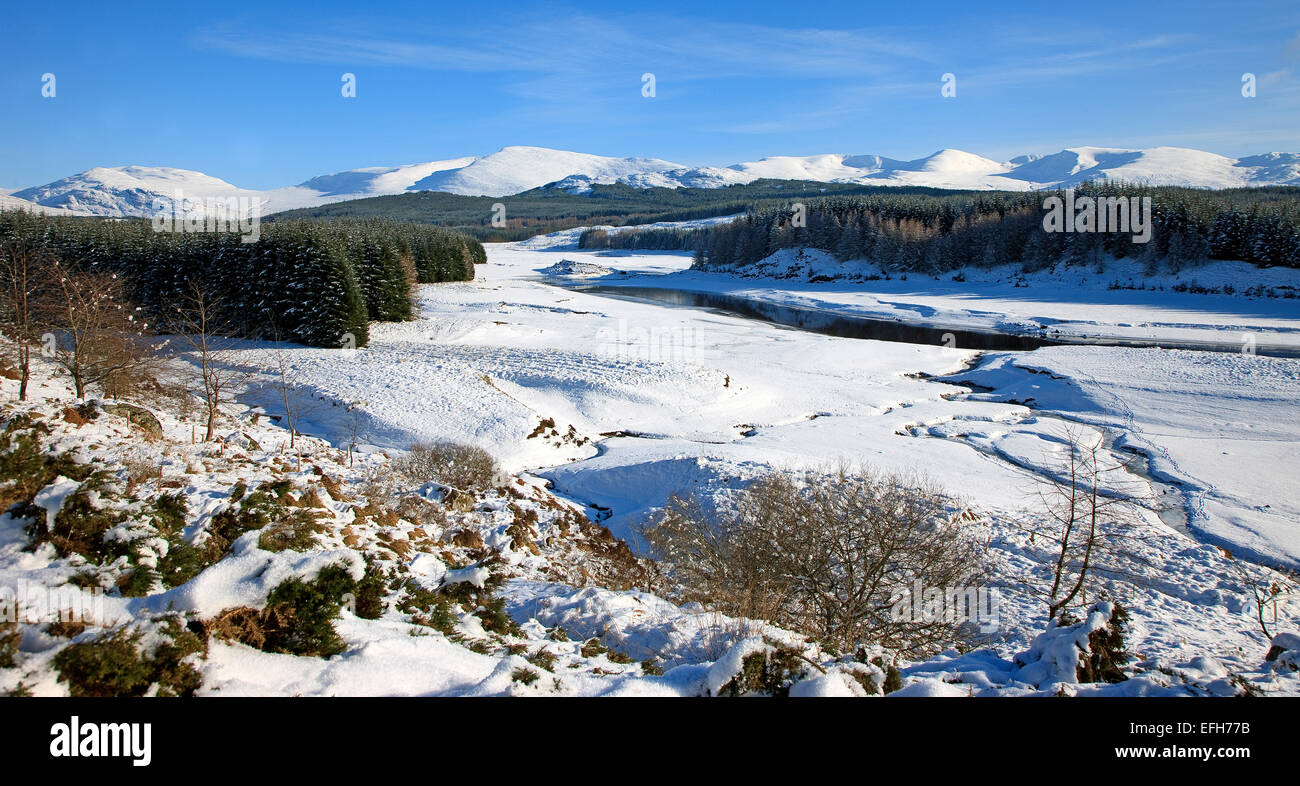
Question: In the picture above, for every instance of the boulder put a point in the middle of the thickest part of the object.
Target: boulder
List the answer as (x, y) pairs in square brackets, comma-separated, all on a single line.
[(138, 416), (1282, 642)]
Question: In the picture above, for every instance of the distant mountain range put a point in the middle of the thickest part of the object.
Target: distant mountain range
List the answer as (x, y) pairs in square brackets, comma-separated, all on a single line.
[(133, 190)]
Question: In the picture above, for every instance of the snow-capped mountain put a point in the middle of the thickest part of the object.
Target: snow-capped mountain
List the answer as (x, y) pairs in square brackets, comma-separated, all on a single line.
[(9, 202), (358, 184), (381, 180), (133, 190), (1174, 166), (958, 169), (128, 190), (944, 169), (516, 169)]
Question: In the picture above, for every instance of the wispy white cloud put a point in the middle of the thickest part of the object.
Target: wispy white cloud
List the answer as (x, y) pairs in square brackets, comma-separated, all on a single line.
[(586, 63), (581, 62), (588, 46), (698, 48)]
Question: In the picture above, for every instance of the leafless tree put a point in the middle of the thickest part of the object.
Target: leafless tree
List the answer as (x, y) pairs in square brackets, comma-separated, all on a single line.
[(103, 341), (198, 322), (288, 399), (284, 384), (1090, 524), (25, 275), (356, 427)]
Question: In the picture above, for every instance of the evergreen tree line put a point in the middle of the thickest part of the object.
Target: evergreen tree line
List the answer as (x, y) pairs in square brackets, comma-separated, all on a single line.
[(645, 239), (549, 209), (313, 282), (934, 233)]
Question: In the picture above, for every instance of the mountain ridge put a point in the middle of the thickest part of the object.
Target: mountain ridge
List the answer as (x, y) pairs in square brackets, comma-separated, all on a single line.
[(136, 190)]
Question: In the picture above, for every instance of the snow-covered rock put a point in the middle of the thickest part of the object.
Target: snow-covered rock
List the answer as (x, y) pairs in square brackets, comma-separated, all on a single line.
[(1284, 652), (571, 269), (1053, 657), (52, 497)]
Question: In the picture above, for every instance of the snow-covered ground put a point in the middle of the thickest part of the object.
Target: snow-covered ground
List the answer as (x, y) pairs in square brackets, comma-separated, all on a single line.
[(618, 403), (1219, 425), (492, 358), (1223, 427), (639, 401)]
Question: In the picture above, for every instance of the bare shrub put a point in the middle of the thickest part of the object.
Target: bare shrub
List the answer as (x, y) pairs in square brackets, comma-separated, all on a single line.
[(450, 463), (822, 554), (1267, 587), (420, 512), (377, 483), (140, 471)]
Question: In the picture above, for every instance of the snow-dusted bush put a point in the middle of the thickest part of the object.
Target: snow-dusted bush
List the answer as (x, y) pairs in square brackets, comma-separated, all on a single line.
[(133, 661), (10, 638), (822, 554), (1069, 652), (1107, 654), (766, 666), (298, 617), (427, 607), (82, 520), (475, 588), (25, 467), (756, 666), (460, 466)]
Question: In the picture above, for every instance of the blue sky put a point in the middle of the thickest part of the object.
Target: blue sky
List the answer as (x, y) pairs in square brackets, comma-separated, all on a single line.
[(254, 96)]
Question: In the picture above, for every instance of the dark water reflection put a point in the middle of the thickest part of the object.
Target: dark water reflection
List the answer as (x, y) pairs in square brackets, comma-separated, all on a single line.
[(862, 327)]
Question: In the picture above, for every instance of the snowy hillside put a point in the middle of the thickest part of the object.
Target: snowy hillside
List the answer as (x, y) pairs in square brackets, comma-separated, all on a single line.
[(950, 168), (380, 180), (128, 190), (516, 169), (8, 202), (358, 184), (1160, 166), (131, 190), (944, 169)]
